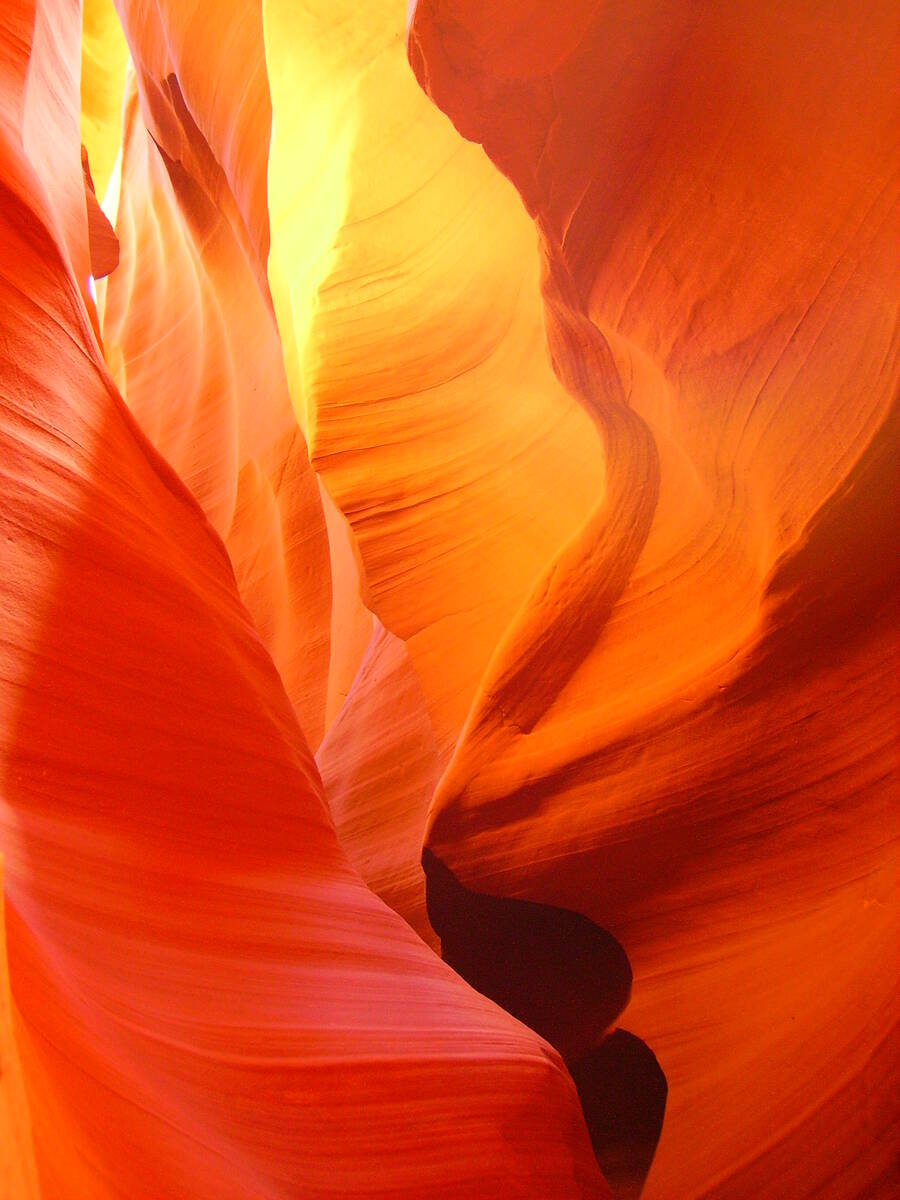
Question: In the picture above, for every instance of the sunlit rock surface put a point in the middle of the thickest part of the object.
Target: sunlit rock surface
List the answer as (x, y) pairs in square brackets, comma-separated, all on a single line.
[(405, 279), (207, 1001), (687, 732), (104, 59), (194, 349), (384, 722), (202, 78), (448, 466)]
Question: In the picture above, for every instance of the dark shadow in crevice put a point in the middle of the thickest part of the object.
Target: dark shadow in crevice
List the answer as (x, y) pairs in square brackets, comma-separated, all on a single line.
[(553, 969), (623, 1092), (558, 972)]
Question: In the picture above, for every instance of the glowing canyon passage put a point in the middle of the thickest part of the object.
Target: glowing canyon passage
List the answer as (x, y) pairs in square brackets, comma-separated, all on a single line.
[(448, 599)]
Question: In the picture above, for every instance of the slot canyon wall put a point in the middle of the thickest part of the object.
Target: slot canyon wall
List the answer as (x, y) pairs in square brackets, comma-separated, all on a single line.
[(449, 575)]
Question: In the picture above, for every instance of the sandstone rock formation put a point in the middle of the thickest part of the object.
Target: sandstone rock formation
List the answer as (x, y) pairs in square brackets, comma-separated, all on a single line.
[(448, 509)]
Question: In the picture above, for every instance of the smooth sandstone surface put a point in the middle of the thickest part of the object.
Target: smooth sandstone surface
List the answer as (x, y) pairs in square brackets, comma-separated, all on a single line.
[(207, 1001), (405, 281), (472, 494), (379, 812), (705, 761), (194, 349), (18, 1174), (208, 110)]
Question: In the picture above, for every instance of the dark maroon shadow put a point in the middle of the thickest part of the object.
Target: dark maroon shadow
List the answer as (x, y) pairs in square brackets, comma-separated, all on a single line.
[(558, 972), (553, 969), (623, 1094)]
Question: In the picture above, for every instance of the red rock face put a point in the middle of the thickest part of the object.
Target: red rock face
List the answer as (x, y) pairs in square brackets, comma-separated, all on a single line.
[(704, 760), (420, 553)]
